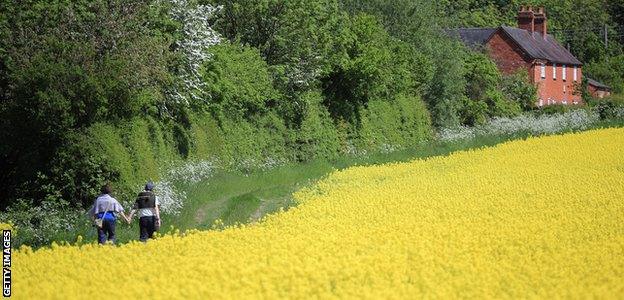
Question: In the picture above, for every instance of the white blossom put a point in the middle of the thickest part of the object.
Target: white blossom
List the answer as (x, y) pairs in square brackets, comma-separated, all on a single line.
[(170, 196), (544, 124), (197, 37)]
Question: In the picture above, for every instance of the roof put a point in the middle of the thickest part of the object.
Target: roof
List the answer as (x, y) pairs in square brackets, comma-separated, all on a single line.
[(597, 84), (537, 46), (533, 44), (472, 37)]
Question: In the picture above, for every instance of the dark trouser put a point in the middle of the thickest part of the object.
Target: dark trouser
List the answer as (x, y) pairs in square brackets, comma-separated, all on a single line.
[(146, 228), (108, 228)]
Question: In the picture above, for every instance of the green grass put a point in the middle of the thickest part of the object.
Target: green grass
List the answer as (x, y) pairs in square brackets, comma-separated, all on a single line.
[(236, 197)]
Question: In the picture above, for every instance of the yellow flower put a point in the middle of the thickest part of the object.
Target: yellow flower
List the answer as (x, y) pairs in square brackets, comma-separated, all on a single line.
[(538, 218)]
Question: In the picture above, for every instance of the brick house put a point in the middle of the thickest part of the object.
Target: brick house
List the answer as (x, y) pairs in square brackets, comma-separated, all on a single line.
[(551, 67)]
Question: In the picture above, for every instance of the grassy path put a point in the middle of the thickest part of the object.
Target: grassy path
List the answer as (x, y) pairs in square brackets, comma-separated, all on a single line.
[(236, 197)]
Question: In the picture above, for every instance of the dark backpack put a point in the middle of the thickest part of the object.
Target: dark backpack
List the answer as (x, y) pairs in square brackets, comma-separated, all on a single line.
[(146, 199)]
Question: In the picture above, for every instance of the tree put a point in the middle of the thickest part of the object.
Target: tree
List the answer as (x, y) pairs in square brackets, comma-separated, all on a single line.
[(70, 64)]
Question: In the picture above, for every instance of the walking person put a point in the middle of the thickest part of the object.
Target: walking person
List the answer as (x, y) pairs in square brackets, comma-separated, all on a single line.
[(148, 208), (104, 212)]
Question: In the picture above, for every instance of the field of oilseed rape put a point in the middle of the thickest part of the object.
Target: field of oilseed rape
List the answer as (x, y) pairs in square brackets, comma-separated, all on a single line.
[(536, 218)]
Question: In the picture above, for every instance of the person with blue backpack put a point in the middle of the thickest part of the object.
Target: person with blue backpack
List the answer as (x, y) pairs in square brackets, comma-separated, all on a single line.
[(104, 212)]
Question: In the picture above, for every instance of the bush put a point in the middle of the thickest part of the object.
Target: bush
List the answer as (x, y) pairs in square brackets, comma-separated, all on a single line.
[(238, 81), (390, 126), (250, 144), (553, 109), (518, 89), (609, 108), (41, 224), (317, 137), (485, 91), (206, 138)]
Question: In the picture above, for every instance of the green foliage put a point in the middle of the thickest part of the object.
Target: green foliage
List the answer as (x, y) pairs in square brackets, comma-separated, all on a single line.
[(609, 108), (239, 81), (485, 92), (205, 135), (296, 37), (517, 88), (181, 139), (553, 109), (439, 69), (71, 64), (389, 126), (317, 137), (256, 142), (377, 66), (609, 72)]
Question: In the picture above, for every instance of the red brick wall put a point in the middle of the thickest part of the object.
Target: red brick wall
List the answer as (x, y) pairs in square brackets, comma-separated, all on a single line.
[(509, 58), (503, 52), (556, 90)]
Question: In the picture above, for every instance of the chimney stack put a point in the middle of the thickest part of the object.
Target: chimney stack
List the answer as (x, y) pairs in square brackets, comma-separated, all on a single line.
[(526, 18), (533, 20), (540, 21)]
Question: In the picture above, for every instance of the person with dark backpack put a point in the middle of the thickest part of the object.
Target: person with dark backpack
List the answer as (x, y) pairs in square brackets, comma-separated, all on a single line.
[(148, 210)]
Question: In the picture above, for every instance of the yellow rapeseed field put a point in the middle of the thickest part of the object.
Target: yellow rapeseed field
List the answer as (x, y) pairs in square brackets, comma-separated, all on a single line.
[(537, 218)]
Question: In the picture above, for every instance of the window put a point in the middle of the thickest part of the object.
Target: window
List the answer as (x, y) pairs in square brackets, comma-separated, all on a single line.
[(543, 70), (563, 72), (554, 71), (574, 74)]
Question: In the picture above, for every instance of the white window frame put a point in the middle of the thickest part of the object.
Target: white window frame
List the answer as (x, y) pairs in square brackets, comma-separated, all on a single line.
[(574, 74), (543, 71), (554, 67), (563, 72)]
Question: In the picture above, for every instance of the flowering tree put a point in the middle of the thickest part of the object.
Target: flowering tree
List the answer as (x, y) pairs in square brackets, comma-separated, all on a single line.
[(196, 36)]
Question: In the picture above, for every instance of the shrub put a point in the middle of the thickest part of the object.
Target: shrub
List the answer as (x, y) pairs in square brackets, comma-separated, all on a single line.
[(518, 89), (485, 98), (317, 137), (389, 126), (206, 137), (238, 81), (553, 109), (609, 108)]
